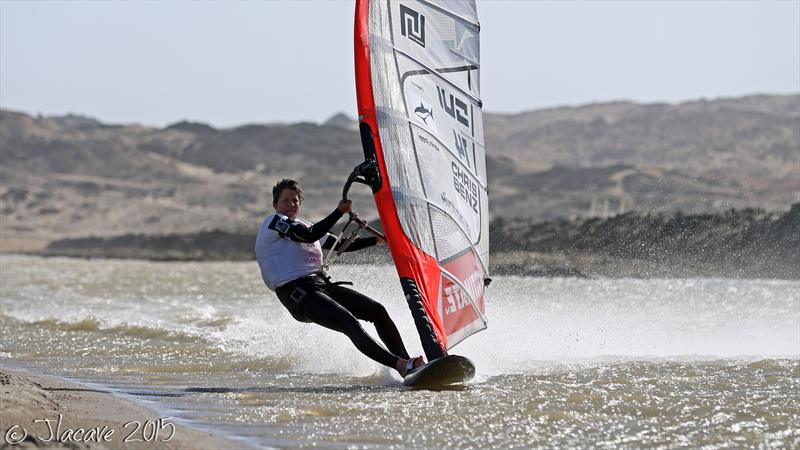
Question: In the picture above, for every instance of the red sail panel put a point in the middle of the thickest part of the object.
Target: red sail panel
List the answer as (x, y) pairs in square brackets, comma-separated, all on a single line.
[(462, 287)]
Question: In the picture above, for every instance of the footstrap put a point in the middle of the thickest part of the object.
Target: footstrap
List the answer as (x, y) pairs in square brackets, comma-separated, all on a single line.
[(410, 366)]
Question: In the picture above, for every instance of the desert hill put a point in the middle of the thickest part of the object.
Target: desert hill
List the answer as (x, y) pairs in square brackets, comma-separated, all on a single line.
[(74, 176)]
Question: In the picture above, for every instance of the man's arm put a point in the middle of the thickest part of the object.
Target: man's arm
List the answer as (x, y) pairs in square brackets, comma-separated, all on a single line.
[(301, 233), (298, 232), (358, 244)]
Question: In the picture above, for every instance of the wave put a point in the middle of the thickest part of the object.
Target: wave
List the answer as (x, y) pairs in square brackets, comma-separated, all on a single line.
[(92, 324), (88, 324)]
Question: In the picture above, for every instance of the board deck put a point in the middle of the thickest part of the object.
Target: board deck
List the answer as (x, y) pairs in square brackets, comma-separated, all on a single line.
[(444, 371)]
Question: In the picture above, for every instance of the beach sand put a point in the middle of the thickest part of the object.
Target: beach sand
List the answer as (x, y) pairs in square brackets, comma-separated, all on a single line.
[(26, 397)]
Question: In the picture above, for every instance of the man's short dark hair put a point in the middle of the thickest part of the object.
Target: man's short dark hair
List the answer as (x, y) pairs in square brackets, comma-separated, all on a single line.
[(286, 183)]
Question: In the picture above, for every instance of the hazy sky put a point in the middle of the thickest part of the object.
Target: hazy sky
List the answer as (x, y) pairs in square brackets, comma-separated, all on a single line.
[(229, 63)]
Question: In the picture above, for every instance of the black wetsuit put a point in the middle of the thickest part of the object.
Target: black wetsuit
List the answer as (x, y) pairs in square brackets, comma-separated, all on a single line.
[(316, 299)]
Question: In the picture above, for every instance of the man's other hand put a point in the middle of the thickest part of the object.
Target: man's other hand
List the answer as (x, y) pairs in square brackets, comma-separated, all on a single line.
[(345, 206)]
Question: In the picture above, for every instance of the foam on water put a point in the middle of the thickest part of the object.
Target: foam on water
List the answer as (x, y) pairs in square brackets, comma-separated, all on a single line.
[(565, 320), (532, 322)]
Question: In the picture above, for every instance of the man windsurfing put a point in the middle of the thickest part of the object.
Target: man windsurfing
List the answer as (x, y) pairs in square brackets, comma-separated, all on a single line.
[(289, 253)]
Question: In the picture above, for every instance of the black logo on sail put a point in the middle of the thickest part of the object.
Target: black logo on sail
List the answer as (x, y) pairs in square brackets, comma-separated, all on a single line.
[(453, 106), (461, 147), (423, 112), (412, 25)]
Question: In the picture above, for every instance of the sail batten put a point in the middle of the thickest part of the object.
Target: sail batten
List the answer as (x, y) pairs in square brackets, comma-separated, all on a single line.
[(454, 14), (418, 85), (426, 70)]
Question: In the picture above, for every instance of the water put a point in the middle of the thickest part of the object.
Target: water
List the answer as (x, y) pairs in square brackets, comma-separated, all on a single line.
[(564, 364)]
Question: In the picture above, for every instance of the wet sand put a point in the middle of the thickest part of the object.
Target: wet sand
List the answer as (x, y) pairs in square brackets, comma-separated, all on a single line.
[(46, 412)]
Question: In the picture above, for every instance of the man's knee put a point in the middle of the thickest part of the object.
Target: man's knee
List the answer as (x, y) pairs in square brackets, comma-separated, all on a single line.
[(378, 314)]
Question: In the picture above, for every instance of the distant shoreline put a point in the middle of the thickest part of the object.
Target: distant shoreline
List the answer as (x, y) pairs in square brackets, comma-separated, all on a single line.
[(736, 244), (535, 265)]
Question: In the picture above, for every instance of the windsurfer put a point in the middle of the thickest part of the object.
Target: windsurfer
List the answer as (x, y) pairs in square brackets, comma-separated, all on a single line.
[(289, 253)]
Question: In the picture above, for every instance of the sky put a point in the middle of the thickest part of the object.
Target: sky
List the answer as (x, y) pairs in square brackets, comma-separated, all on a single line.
[(237, 62)]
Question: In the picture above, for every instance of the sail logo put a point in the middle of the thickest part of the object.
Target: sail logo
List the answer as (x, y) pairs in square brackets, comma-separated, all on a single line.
[(461, 147), (453, 106), (465, 186), (412, 25), (457, 299), (424, 112)]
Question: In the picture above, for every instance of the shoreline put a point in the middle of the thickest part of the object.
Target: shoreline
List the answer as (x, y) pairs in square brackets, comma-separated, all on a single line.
[(746, 243), (58, 413)]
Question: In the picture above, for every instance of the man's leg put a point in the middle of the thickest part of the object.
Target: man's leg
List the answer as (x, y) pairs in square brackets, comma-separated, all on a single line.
[(364, 308), (321, 309)]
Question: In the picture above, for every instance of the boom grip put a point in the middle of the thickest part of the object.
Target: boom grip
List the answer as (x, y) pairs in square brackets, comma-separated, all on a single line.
[(347, 184), (364, 173)]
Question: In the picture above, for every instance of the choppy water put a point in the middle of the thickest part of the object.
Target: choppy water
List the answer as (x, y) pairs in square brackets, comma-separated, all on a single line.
[(564, 363)]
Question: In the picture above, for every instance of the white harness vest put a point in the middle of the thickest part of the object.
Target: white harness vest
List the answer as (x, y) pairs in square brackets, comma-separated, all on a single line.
[(281, 259)]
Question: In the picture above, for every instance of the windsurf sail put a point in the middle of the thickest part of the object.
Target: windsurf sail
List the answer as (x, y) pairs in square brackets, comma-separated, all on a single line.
[(418, 87)]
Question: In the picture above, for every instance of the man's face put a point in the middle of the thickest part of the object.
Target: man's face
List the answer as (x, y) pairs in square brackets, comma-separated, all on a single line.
[(288, 203)]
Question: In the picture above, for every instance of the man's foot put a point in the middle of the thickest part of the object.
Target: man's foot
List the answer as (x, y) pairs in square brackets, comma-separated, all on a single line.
[(404, 366)]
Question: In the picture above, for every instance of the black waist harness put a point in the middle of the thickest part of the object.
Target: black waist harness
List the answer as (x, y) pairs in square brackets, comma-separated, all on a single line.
[(292, 293)]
